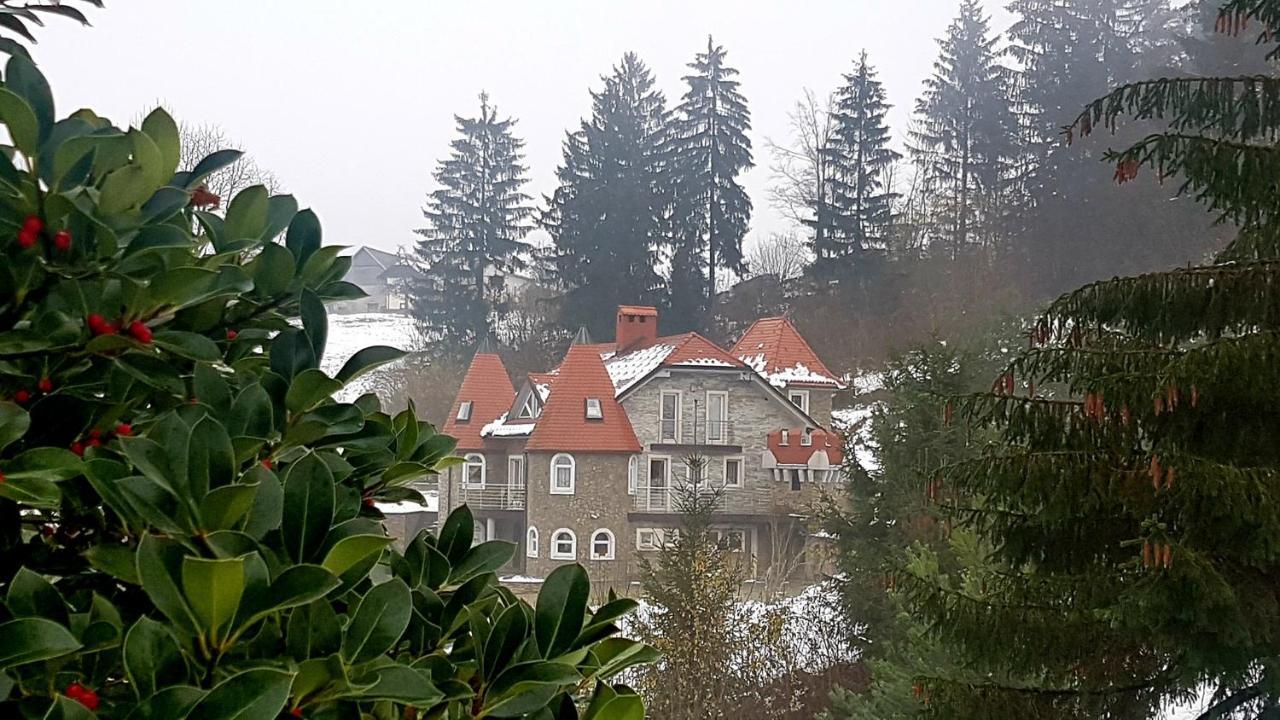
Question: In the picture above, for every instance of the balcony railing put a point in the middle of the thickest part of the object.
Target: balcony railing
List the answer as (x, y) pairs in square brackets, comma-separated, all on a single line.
[(669, 499), (494, 497), (711, 432)]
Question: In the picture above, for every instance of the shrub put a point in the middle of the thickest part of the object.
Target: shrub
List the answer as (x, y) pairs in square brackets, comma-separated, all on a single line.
[(188, 526)]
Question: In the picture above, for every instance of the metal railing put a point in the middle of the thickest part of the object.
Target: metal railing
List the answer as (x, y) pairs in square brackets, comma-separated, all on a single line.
[(667, 499), (494, 497), (710, 432)]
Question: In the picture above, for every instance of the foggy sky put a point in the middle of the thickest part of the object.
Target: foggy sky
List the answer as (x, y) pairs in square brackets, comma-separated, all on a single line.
[(350, 104)]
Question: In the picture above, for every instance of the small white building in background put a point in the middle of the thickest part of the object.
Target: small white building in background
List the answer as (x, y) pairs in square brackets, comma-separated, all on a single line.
[(383, 276)]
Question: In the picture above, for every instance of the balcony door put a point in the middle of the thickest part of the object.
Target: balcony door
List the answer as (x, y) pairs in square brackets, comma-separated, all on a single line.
[(656, 495), (717, 417)]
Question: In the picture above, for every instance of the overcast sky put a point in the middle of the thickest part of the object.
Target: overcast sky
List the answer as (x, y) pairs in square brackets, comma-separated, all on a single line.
[(351, 104)]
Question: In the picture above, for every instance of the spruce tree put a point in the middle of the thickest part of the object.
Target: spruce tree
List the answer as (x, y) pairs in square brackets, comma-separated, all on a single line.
[(710, 149), (1130, 502), (607, 216), (966, 135), (859, 156), (477, 218)]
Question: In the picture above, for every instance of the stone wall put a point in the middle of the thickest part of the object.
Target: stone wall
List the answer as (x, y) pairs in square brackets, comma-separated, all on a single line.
[(599, 501)]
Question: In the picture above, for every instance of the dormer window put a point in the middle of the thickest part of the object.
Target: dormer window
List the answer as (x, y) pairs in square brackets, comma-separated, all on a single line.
[(594, 411), (786, 437), (464, 411), (531, 408), (806, 439)]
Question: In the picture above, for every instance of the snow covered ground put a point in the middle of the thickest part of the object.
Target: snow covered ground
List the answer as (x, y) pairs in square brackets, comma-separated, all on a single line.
[(348, 334)]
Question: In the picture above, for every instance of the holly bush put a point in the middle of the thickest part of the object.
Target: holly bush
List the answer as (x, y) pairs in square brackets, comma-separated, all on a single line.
[(188, 519)]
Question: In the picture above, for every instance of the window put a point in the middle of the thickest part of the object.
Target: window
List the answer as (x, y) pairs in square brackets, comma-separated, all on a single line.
[(633, 474), (648, 539), (602, 544), (670, 422), (564, 545), (794, 474), (786, 438), (717, 416), (531, 543), (594, 411), (806, 438), (473, 469), (464, 411), (733, 472), (799, 398), (515, 470), (730, 539), (563, 474), (531, 408)]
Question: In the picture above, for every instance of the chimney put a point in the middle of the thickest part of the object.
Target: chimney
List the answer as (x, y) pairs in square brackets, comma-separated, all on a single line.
[(637, 327)]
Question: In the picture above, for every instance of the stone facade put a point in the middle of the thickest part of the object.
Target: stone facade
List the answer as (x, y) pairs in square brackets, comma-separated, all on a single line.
[(599, 502)]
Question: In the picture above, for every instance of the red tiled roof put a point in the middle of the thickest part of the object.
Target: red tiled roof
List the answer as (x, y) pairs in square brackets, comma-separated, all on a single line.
[(694, 349), (773, 345), (488, 386), (797, 453), (564, 424)]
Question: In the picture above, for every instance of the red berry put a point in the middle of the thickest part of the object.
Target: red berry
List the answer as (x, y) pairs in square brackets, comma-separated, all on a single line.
[(231, 334), (77, 447), (22, 396), (140, 331), (47, 530), (62, 241), (98, 325), (124, 429), (2, 478), (95, 433), (368, 502), (83, 695), (45, 385), (268, 464), (27, 239), (33, 224), (95, 442), (296, 712)]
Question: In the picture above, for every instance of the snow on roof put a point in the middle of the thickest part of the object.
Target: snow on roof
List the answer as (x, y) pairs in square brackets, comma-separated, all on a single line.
[(500, 428), (774, 348), (626, 370)]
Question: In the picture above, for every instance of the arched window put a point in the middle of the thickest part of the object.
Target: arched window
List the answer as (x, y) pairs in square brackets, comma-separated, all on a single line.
[(564, 473), (564, 545), (473, 469), (633, 474), (531, 543), (602, 544)]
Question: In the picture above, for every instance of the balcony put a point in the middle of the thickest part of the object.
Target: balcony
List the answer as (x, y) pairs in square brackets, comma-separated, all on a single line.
[(494, 497), (712, 434), (671, 499)]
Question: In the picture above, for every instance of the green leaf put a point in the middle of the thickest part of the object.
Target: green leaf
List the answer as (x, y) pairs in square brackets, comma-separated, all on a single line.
[(612, 704), (560, 610), (366, 360), (118, 561), (251, 413), (152, 658), (314, 321), (14, 422), (162, 205), (291, 353), (192, 346), (618, 654), (224, 506), (36, 492), (31, 595), (350, 550), (508, 636), (483, 558), (182, 286), (246, 214), (378, 622), (280, 212), (210, 458), (457, 534), (213, 589), (309, 503), (268, 507), (252, 694), (46, 463), (308, 389), (313, 631), (124, 188), (402, 684), (155, 237), (296, 586), (18, 116), (303, 238), (272, 270), (170, 703), (528, 686), (28, 640), (163, 131), (159, 566), (64, 708), (211, 164), (23, 78)]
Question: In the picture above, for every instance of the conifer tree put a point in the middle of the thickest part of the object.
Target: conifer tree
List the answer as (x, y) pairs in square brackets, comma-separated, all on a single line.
[(1130, 501), (710, 149), (607, 217), (477, 218), (859, 157), (966, 135)]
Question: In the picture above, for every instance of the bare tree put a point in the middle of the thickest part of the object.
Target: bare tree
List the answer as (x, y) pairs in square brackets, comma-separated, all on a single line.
[(199, 141), (782, 255), (800, 168)]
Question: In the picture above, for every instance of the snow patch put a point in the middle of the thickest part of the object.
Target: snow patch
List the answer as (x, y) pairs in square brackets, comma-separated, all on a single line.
[(626, 370), (500, 428), (349, 334), (405, 507)]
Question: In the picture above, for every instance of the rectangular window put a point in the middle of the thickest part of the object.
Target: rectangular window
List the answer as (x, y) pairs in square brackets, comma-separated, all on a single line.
[(647, 539), (659, 471), (515, 470), (733, 540), (717, 416), (733, 472), (806, 438), (799, 398), (464, 411), (656, 495), (670, 419), (594, 412), (795, 478)]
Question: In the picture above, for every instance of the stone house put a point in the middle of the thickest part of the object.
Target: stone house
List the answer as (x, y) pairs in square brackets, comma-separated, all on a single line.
[(589, 462), (383, 277)]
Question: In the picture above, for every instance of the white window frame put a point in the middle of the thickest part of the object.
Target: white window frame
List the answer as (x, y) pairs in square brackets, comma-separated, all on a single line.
[(531, 542), (642, 546), (725, 471), (518, 479), (464, 411), (721, 423), (573, 474), (469, 463), (555, 553), (531, 408), (804, 399), (662, 398), (633, 474), (806, 438), (719, 534), (598, 407), (596, 537)]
